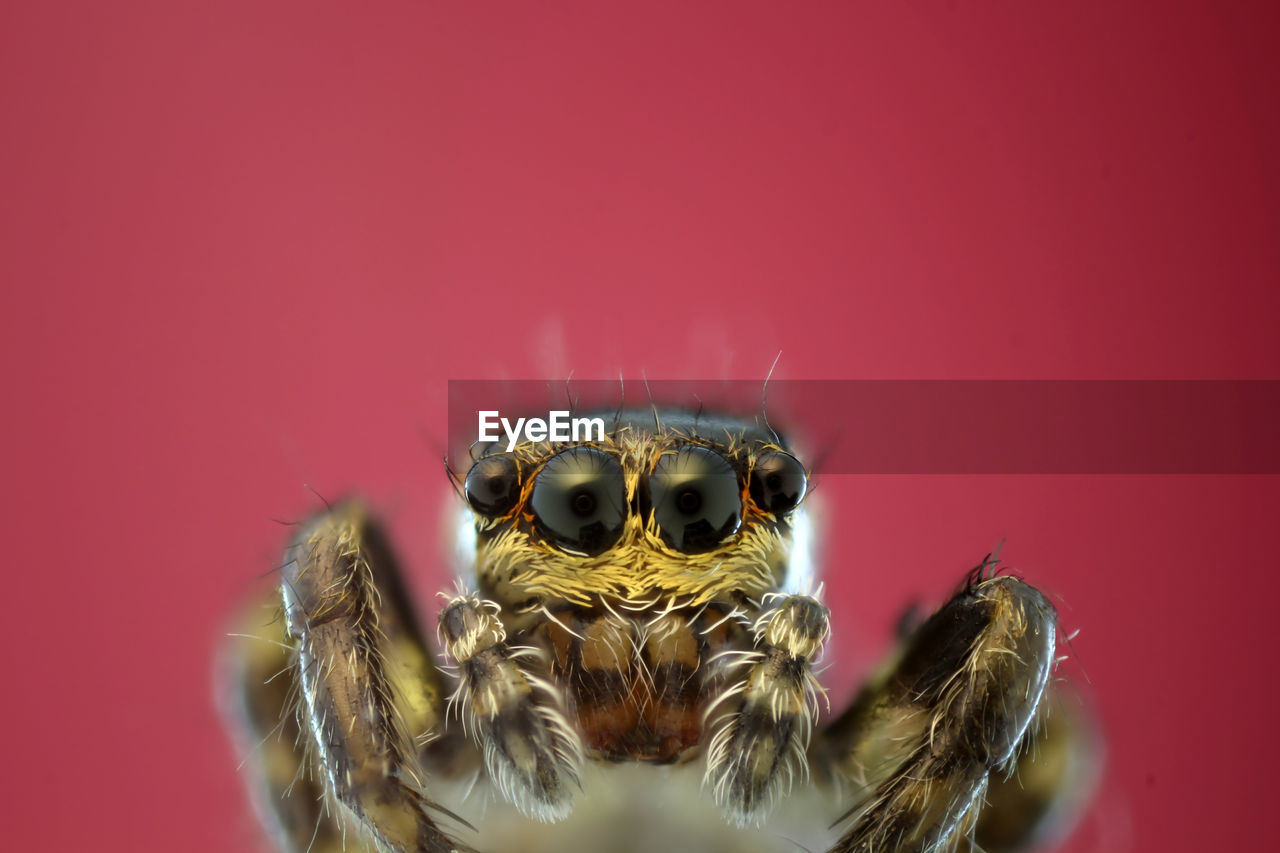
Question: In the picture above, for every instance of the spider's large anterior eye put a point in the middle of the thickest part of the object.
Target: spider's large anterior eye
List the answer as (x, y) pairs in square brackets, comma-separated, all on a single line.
[(493, 486), (579, 500), (777, 482), (695, 495)]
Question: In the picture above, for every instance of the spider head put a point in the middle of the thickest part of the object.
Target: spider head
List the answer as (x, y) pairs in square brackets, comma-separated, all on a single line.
[(654, 504)]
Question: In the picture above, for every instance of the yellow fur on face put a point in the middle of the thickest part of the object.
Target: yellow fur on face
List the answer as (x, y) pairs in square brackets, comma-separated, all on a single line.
[(515, 565)]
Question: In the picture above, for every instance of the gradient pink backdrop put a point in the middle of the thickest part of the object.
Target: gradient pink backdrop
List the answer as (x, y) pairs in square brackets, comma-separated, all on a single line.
[(245, 245)]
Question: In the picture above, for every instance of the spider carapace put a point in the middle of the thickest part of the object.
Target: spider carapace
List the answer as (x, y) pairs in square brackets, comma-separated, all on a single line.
[(628, 664)]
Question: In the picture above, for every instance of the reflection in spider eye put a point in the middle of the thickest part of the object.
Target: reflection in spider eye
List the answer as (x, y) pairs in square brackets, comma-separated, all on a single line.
[(695, 499), (579, 501), (777, 482), (493, 486)]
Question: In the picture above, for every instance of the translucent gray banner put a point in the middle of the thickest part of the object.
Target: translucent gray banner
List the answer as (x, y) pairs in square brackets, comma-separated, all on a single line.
[(940, 427)]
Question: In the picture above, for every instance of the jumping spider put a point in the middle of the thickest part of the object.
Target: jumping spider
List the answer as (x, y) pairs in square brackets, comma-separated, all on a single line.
[(643, 600)]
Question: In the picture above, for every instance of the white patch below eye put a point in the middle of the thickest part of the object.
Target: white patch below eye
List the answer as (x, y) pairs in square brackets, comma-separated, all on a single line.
[(802, 569), (464, 543)]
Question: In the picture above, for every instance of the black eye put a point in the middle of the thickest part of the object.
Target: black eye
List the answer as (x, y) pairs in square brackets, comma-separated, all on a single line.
[(493, 486), (695, 499), (777, 482), (579, 500)]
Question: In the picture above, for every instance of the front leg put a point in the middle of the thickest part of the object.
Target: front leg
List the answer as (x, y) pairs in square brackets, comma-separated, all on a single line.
[(367, 684), (762, 722), (926, 736), (516, 717)]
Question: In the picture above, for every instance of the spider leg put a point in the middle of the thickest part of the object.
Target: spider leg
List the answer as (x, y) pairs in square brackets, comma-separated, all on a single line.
[(257, 698), (927, 734), (760, 725), (512, 712), (366, 682), (1052, 780)]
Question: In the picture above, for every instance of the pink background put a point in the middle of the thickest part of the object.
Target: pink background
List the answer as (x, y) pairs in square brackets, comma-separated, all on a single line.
[(246, 244)]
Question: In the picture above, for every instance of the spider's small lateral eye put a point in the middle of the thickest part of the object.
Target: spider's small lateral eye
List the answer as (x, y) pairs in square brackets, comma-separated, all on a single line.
[(493, 486), (778, 482), (579, 500), (695, 495)]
